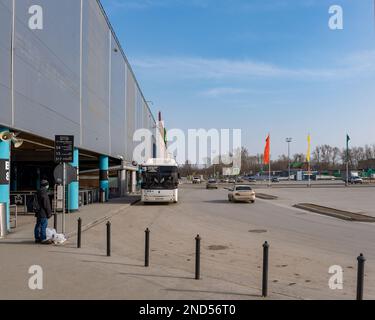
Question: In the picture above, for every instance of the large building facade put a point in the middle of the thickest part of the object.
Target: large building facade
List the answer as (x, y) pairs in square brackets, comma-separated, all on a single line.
[(63, 71)]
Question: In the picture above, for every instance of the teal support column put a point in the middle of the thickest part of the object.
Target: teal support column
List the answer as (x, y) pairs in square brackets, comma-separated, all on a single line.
[(73, 188), (103, 175), (5, 175)]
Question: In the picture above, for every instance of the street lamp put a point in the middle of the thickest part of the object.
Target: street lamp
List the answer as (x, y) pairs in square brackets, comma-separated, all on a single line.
[(289, 140)]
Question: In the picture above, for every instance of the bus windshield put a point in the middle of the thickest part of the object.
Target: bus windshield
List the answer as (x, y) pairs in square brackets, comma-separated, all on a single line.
[(159, 178)]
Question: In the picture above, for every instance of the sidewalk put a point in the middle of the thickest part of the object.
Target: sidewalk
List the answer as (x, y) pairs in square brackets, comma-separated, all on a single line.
[(91, 216)]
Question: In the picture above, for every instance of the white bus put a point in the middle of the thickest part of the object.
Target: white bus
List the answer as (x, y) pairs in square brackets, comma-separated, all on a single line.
[(160, 181)]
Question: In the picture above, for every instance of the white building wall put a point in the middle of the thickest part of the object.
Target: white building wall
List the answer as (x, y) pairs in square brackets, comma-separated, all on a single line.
[(72, 77)]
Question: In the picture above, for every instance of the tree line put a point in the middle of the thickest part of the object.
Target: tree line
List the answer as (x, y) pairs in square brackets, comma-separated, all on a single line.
[(323, 157)]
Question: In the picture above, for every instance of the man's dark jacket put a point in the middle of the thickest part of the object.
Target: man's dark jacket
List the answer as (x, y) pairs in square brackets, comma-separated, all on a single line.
[(45, 205)]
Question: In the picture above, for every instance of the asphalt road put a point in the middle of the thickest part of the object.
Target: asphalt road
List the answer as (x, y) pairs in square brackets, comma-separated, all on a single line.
[(330, 234), (303, 244)]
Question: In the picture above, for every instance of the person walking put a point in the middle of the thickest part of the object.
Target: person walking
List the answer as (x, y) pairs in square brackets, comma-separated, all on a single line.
[(43, 211)]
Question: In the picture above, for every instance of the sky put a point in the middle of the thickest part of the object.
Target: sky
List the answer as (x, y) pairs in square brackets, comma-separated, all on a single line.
[(262, 66)]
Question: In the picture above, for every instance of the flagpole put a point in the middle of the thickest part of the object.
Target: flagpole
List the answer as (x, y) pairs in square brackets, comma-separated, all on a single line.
[(347, 172), (269, 173), (308, 160), (269, 163), (347, 159), (309, 173)]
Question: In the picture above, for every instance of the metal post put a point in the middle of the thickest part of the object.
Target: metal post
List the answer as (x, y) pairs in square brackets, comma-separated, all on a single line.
[(309, 173), (147, 248), (55, 207), (25, 204), (265, 270), (79, 232), (288, 161), (360, 276), (108, 239), (197, 257), (347, 173), (55, 221), (64, 199), (289, 140)]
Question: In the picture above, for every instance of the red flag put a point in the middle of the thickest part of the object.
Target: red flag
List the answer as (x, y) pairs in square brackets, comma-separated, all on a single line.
[(267, 151)]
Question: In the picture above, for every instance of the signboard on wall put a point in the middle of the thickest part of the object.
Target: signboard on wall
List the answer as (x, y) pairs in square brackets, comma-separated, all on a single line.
[(4, 171), (64, 148)]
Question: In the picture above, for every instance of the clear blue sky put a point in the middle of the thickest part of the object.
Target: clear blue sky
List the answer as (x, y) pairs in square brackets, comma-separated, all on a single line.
[(258, 65)]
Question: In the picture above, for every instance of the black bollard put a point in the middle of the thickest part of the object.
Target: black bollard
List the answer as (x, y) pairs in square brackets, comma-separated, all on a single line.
[(79, 231), (197, 257), (108, 239), (147, 247), (265, 270), (55, 221), (360, 276)]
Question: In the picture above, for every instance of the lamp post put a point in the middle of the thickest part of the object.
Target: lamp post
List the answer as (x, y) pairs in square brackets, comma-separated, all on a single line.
[(288, 140)]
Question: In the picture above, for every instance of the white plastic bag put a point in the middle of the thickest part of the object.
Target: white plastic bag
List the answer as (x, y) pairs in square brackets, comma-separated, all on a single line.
[(50, 233), (59, 238)]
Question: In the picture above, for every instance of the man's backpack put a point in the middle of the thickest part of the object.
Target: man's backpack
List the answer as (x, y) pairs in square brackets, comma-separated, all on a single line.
[(36, 205)]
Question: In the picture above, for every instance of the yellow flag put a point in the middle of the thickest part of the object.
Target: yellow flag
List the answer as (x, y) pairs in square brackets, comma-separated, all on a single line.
[(308, 156)]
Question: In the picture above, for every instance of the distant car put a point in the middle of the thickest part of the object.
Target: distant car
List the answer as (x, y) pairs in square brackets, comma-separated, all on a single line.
[(240, 180), (196, 180), (232, 181), (212, 184), (251, 179), (355, 180), (225, 180), (275, 179), (241, 193)]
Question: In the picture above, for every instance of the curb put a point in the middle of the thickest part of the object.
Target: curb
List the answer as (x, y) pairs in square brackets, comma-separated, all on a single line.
[(135, 202), (265, 196), (339, 214)]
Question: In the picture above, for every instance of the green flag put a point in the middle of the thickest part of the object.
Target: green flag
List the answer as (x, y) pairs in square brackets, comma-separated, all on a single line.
[(347, 147)]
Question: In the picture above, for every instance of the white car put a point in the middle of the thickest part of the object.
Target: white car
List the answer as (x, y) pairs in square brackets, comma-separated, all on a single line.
[(241, 193), (355, 180)]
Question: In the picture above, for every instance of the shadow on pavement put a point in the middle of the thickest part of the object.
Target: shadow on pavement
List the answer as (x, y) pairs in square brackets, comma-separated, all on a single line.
[(80, 253), (216, 292), (115, 263), (20, 242), (226, 202), (155, 276)]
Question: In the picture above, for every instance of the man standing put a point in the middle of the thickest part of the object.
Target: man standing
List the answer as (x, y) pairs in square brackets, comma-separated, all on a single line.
[(43, 212)]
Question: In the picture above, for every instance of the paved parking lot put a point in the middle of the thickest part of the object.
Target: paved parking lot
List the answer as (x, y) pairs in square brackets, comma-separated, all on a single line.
[(302, 248), (357, 199)]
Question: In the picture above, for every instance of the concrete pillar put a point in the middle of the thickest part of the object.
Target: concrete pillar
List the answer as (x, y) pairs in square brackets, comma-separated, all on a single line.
[(103, 175), (122, 181), (73, 188), (5, 175), (134, 181)]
